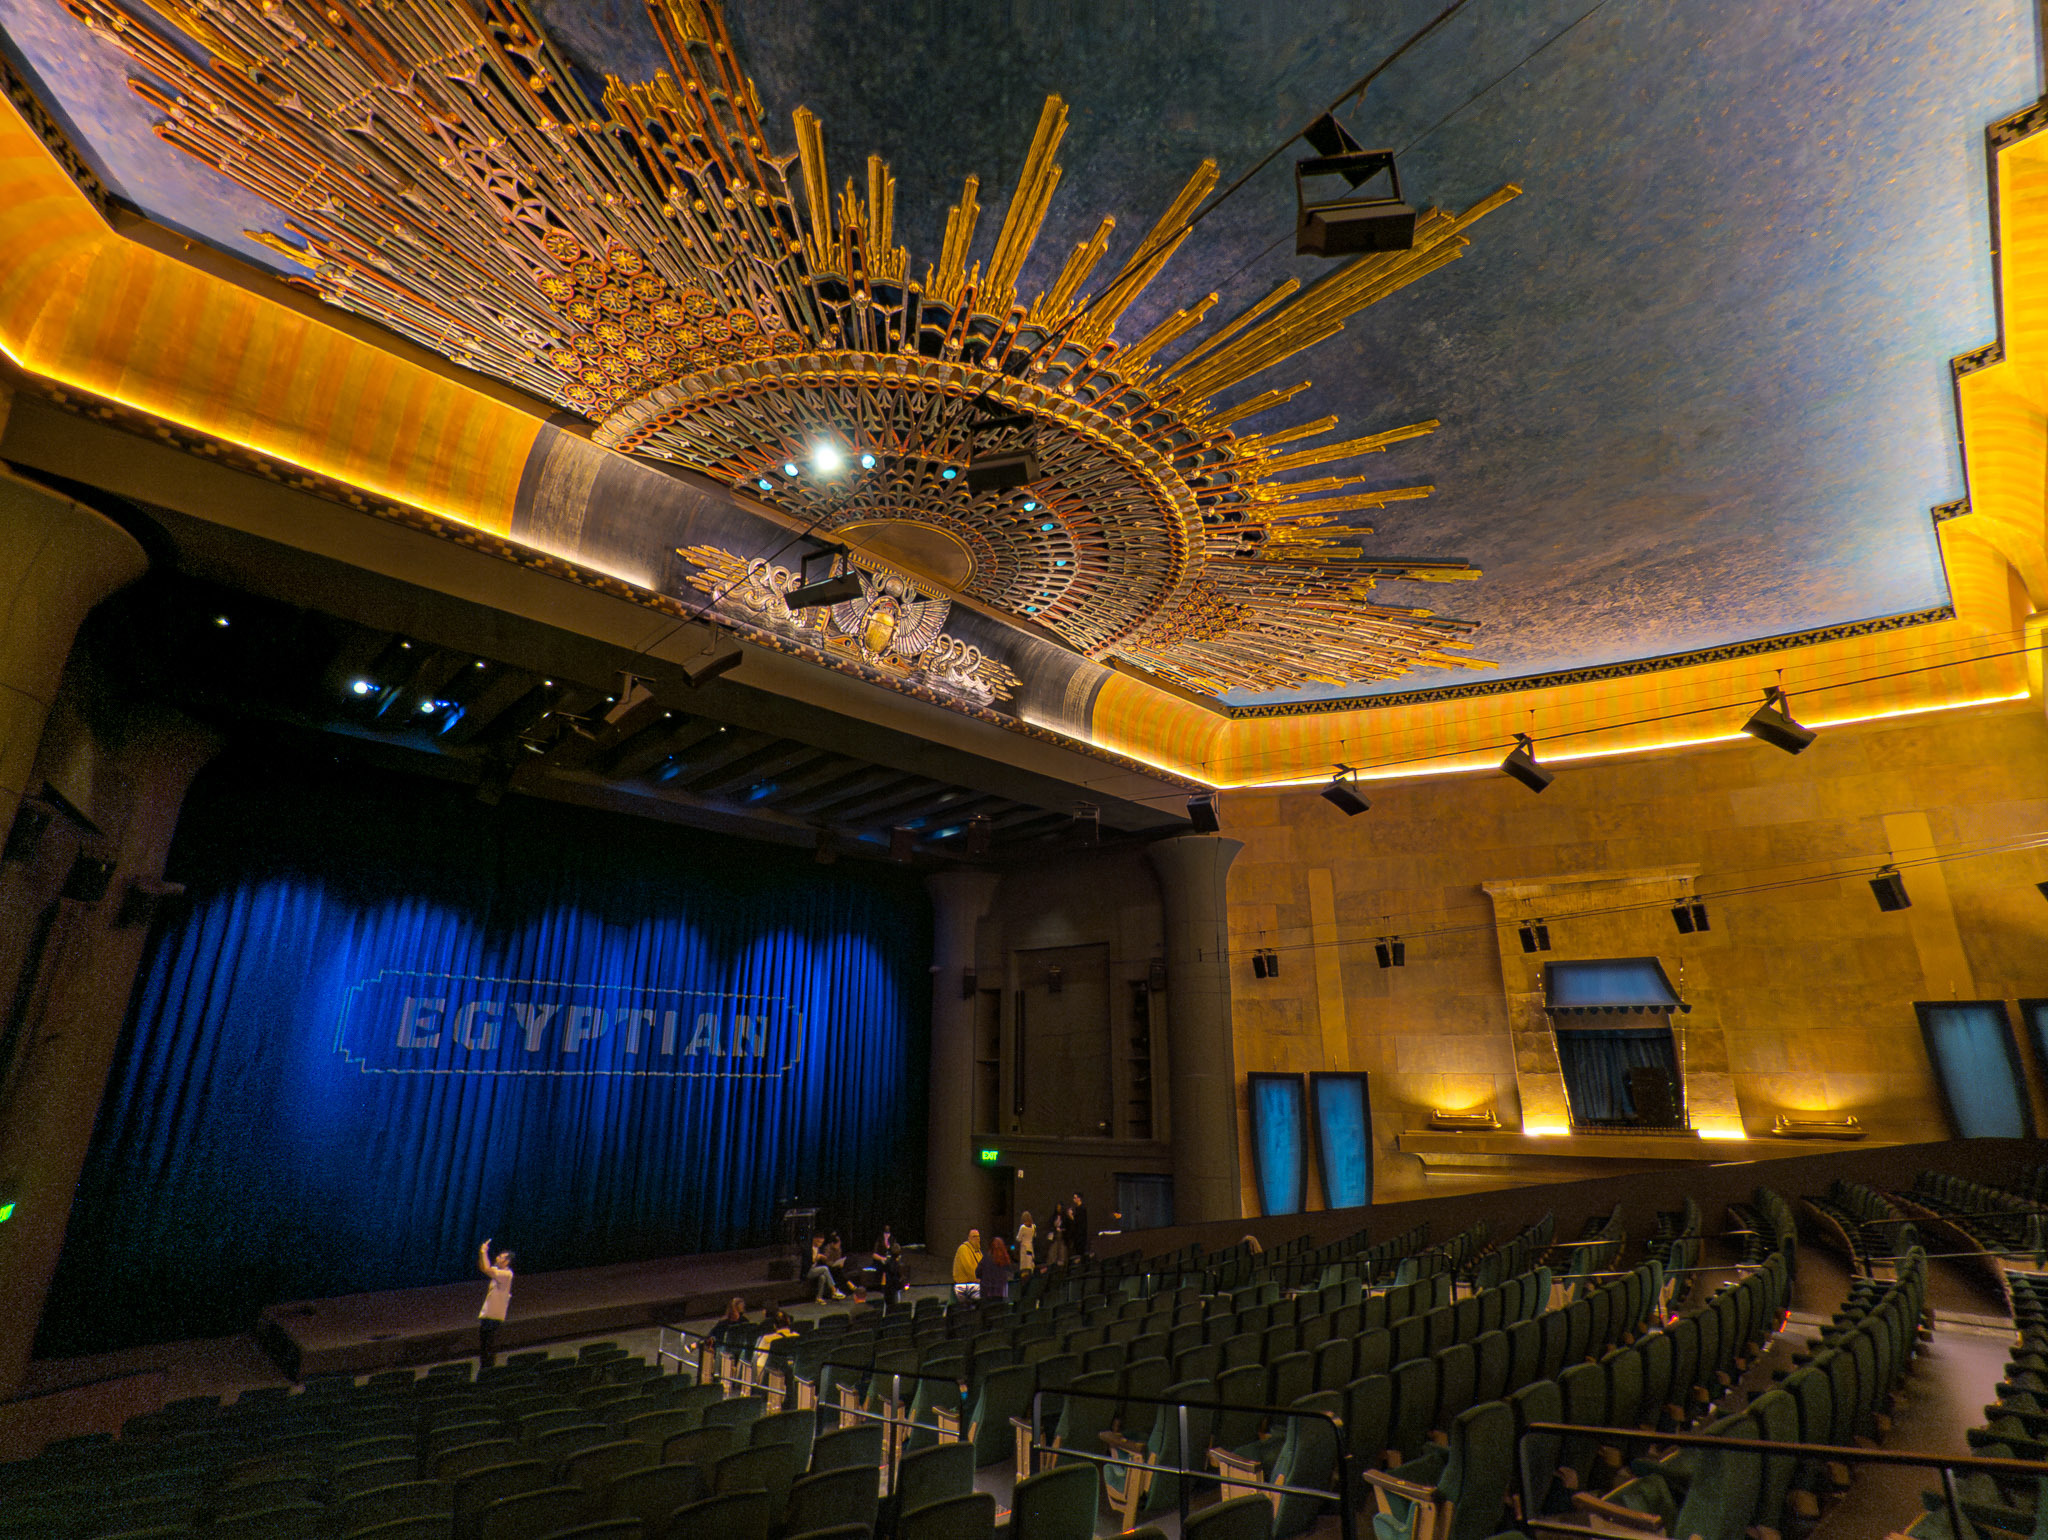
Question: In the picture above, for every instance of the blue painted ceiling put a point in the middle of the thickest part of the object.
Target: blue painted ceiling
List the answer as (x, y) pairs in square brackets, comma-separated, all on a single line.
[(1693, 383)]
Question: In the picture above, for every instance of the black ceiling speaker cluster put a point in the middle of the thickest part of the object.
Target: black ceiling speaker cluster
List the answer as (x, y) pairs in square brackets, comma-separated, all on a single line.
[(1202, 813), (999, 472), (1690, 916), (980, 832), (1772, 722), (1521, 764), (1343, 794), (1390, 952), (1342, 224), (841, 586), (1265, 963), (1889, 888), (1535, 937)]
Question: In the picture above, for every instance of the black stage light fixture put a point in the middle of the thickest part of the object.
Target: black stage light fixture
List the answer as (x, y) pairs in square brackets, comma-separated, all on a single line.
[(634, 692), (86, 882), (1202, 813), (1351, 221), (144, 896), (1772, 722), (721, 655), (980, 832), (1521, 764), (1002, 473), (1689, 917), (1088, 823), (1890, 890), (1535, 937), (828, 589), (1390, 952), (1343, 794)]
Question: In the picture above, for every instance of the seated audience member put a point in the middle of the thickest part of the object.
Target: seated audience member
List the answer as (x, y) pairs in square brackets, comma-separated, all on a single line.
[(967, 1267), (817, 1274), (994, 1272)]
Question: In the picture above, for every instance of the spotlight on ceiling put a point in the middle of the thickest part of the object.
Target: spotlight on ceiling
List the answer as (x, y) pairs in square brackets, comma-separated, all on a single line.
[(1889, 888), (827, 590), (1342, 793), (634, 693), (1390, 952), (721, 655), (826, 460), (1351, 221), (867, 462), (1689, 917), (1772, 722), (361, 687), (1521, 764), (1202, 813), (1535, 937)]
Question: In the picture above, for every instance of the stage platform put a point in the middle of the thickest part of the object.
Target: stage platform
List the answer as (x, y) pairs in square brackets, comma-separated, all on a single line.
[(361, 1333)]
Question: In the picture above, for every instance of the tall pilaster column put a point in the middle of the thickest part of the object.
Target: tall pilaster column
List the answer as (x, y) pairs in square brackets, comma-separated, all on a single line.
[(57, 560), (953, 1201), (76, 1005), (1201, 1055)]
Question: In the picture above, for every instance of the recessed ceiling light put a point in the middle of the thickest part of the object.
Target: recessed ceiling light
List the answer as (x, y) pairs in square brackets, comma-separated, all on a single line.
[(1059, 561), (1048, 527), (789, 467), (764, 483), (220, 620), (826, 458), (362, 687), (948, 473), (1030, 506), (867, 462)]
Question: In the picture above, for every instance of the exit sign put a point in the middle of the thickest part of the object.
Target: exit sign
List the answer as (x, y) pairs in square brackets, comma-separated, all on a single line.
[(990, 1157)]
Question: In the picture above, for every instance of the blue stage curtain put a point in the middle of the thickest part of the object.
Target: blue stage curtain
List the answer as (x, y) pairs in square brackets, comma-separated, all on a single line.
[(1596, 1066), (1343, 1138), (1971, 1046), (390, 1022), (1279, 1139)]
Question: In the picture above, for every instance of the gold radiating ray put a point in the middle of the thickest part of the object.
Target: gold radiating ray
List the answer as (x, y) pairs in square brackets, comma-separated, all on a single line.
[(1036, 184), (810, 152), (1057, 303), (947, 285), (1153, 253), (655, 264)]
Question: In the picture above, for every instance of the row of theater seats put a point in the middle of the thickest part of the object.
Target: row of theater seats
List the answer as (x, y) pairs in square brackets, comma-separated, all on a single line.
[(600, 1446), (2015, 1428), (1994, 1220), (1864, 1223)]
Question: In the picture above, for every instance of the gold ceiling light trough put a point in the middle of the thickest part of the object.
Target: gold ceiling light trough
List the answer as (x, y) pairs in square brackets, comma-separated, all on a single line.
[(654, 264)]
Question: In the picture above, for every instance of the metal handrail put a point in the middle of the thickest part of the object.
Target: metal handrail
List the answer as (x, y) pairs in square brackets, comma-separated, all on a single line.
[(1347, 1520), (1947, 1464)]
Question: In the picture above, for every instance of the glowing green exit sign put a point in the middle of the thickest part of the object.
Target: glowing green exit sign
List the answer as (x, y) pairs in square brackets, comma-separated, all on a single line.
[(988, 1158), (6, 1212)]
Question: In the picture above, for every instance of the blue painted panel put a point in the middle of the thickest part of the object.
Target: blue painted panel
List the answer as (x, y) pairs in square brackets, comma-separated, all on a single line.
[(1609, 981), (1972, 1055), (1279, 1134), (1344, 1124)]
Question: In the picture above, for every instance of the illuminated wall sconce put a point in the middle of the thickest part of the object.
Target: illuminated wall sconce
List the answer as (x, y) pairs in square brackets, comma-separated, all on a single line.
[(1471, 1120), (1843, 1127)]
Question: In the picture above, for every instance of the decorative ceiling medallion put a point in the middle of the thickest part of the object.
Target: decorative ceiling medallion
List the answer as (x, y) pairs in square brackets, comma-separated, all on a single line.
[(891, 626), (649, 264)]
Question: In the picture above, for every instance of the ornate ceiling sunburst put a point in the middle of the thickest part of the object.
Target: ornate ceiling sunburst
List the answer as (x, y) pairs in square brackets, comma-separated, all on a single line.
[(654, 265)]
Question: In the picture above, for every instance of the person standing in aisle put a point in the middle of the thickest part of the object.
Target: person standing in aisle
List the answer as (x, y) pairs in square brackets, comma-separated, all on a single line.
[(497, 1301), (1027, 1246), (1078, 1238)]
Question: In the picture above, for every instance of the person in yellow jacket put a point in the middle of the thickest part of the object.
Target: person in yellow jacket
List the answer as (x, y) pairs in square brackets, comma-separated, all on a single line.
[(966, 1267)]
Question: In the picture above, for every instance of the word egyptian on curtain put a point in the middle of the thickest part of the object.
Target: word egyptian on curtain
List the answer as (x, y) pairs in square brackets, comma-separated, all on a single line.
[(445, 1024)]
